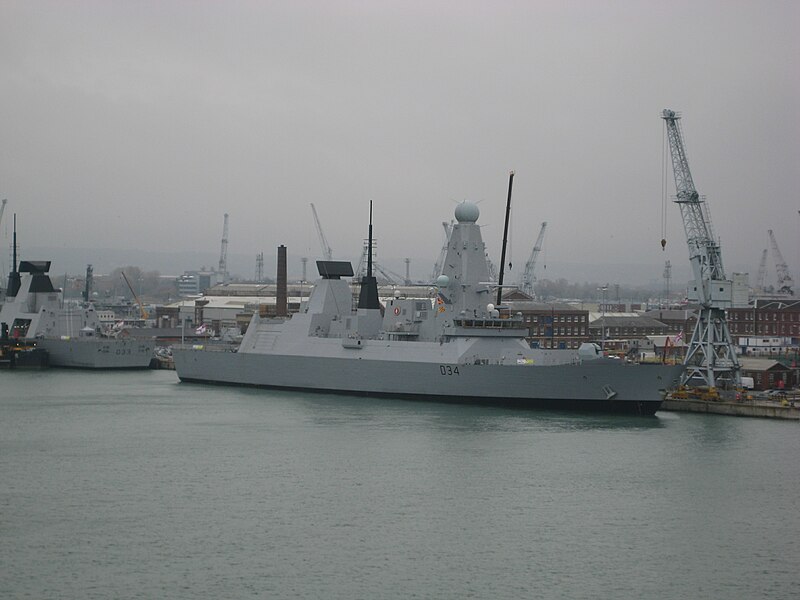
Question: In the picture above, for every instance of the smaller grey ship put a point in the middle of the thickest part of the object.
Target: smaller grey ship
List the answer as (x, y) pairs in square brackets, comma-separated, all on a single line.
[(455, 347), (32, 312)]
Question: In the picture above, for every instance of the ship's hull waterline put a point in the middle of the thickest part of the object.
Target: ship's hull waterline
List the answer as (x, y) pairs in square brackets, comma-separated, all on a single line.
[(98, 353), (603, 385)]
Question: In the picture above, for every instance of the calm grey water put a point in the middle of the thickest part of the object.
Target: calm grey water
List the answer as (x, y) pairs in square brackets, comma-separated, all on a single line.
[(132, 485)]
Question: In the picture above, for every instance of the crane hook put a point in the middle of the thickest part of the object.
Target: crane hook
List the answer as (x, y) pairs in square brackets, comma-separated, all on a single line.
[(663, 244)]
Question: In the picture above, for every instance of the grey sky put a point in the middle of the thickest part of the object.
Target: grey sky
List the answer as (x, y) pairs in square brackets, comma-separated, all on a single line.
[(138, 124)]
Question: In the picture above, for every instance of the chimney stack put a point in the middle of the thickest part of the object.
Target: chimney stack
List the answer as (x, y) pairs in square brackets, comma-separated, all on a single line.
[(281, 307)]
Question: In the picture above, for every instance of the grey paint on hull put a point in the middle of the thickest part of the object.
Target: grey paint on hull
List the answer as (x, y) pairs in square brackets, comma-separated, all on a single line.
[(601, 381), (72, 335), (98, 353)]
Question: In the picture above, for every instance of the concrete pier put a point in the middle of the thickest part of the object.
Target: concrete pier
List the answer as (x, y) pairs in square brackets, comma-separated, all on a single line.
[(745, 408)]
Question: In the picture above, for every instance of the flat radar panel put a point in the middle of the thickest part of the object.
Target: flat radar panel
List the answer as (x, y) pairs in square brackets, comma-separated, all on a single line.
[(34, 266), (334, 269)]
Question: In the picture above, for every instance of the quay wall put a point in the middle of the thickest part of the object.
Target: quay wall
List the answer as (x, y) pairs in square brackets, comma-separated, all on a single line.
[(735, 409)]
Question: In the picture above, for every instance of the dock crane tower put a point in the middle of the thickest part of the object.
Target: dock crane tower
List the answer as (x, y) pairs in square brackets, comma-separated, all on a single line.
[(223, 252), (439, 264), (761, 277), (785, 281), (528, 278), (710, 358), (327, 253), (142, 309), (260, 267)]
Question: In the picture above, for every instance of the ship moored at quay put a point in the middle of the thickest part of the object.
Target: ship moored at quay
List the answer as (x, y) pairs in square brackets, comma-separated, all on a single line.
[(33, 321), (458, 347)]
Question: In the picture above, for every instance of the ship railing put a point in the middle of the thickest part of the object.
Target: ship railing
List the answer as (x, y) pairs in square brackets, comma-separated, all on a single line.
[(207, 347), (478, 323)]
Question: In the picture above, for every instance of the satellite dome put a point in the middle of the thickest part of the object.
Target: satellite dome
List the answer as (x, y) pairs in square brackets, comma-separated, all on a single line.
[(467, 212), (442, 281)]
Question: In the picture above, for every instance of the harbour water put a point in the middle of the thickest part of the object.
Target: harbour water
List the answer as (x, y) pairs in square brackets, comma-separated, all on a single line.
[(132, 485)]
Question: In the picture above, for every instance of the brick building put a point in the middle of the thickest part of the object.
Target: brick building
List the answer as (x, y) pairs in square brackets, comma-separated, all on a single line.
[(553, 325), (623, 332), (766, 318), (676, 319), (769, 374)]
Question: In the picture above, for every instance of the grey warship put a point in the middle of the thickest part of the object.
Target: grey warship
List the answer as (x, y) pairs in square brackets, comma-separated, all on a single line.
[(456, 347), (32, 312)]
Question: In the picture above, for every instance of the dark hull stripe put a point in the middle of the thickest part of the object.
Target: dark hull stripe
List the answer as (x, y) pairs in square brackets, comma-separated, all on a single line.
[(635, 407)]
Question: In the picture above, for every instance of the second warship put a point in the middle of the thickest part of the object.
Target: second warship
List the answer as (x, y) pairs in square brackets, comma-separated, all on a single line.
[(32, 313)]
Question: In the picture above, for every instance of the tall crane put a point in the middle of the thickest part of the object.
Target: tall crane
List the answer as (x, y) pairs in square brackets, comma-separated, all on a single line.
[(223, 251), (327, 253), (370, 252), (710, 357), (528, 278), (260, 267), (439, 264), (785, 281), (761, 278), (142, 309)]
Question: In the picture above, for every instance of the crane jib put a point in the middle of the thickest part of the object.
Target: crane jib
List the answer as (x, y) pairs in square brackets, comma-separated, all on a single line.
[(710, 357)]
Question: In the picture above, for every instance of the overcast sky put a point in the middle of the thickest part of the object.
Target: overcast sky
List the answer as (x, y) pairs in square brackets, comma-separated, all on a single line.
[(139, 124)]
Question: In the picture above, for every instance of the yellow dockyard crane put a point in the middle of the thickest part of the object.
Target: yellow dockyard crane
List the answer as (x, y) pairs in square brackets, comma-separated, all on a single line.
[(135, 297)]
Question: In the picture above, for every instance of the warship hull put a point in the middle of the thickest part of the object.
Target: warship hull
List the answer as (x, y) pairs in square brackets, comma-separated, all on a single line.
[(603, 385), (453, 346), (97, 353), (33, 314)]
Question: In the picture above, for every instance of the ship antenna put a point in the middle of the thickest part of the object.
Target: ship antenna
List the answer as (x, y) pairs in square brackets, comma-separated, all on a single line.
[(13, 277), (369, 243), (368, 297), (14, 247), (505, 241)]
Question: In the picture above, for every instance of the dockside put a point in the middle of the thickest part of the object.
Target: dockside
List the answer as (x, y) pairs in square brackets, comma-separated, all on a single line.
[(785, 408)]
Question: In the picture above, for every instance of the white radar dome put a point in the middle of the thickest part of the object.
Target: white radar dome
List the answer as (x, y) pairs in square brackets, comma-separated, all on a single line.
[(467, 212), (442, 281)]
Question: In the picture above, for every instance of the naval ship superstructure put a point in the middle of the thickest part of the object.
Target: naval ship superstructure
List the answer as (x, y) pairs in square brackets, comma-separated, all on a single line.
[(32, 312), (455, 347)]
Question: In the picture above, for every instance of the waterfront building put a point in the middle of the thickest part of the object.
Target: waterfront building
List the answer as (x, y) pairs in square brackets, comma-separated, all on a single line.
[(553, 325), (766, 318)]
